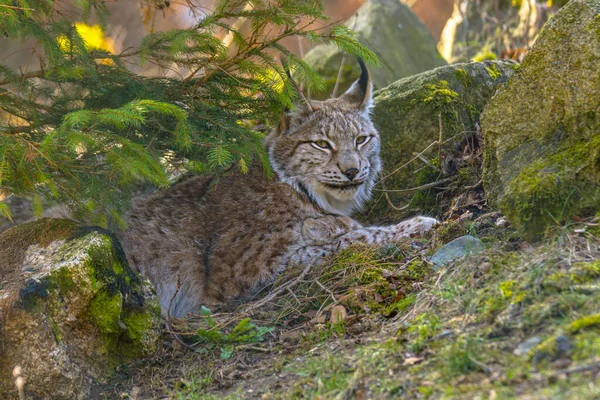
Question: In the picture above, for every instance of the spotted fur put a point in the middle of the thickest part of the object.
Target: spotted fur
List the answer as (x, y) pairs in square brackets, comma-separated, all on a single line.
[(208, 242)]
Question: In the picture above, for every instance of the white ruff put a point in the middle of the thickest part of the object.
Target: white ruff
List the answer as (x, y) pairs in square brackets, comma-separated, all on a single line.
[(333, 201), (330, 201)]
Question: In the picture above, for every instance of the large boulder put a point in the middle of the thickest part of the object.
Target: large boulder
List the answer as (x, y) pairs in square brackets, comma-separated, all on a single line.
[(393, 33), (71, 310), (485, 29), (542, 131), (409, 114)]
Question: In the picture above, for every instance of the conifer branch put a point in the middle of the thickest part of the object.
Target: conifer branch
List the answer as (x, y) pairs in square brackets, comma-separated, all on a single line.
[(95, 128), (26, 75)]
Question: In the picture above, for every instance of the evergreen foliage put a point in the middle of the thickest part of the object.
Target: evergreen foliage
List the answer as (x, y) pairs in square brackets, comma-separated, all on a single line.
[(85, 126)]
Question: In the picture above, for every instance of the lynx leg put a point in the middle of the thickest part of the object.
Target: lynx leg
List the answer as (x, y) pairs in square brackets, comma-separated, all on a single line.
[(369, 235)]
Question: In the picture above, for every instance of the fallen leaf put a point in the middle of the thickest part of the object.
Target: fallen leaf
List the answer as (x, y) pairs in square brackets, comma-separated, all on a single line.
[(412, 360), (338, 314), (310, 314), (467, 215), (290, 335), (361, 394)]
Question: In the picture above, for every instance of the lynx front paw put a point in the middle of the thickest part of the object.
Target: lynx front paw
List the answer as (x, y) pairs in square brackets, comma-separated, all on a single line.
[(416, 225), (425, 223)]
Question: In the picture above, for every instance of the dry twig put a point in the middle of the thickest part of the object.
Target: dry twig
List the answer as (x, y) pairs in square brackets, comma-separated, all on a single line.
[(416, 189)]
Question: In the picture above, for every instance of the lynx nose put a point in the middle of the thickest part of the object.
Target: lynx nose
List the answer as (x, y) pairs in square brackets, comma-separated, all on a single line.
[(351, 173)]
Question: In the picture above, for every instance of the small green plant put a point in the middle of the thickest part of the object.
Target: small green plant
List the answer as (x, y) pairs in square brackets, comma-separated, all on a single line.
[(423, 328), (325, 332), (243, 333), (192, 389)]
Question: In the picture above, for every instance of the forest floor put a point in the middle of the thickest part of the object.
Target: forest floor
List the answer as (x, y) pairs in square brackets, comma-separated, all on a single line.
[(517, 320)]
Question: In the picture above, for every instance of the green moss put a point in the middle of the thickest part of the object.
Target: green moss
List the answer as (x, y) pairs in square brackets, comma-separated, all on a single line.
[(117, 268), (492, 69), (448, 231), (587, 346), (350, 72), (506, 288), (400, 306), (584, 272), (424, 327), (377, 278), (595, 26), (549, 191), (559, 280), (463, 76), (105, 311), (62, 280), (55, 329), (589, 321), (484, 55), (440, 95), (138, 324), (324, 332), (107, 269), (548, 349), (579, 273), (458, 358), (492, 306), (418, 269)]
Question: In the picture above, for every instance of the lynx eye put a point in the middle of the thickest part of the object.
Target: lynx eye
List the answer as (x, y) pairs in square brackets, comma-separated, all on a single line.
[(323, 144), (362, 139)]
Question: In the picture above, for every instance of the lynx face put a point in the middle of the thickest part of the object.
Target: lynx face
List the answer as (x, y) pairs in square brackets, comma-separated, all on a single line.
[(330, 149)]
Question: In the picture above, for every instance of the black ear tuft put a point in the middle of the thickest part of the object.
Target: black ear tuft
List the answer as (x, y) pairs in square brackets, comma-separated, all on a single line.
[(359, 95), (363, 80)]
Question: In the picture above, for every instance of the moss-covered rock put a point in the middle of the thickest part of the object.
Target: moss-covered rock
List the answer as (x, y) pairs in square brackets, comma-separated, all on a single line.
[(393, 33), (408, 113), (542, 131), (71, 309)]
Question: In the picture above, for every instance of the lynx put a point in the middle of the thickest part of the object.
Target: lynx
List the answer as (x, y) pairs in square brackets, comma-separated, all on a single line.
[(206, 243)]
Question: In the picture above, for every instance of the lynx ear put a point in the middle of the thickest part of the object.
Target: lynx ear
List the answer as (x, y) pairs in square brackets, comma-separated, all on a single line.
[(360, 94), (277, 131), (281, 128)]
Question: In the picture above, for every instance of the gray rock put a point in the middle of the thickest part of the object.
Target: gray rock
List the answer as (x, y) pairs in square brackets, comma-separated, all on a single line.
[(457, 248), (560, 347), (563, 345), (542, 130), (390, 30), (71, 309), (527, 345)]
